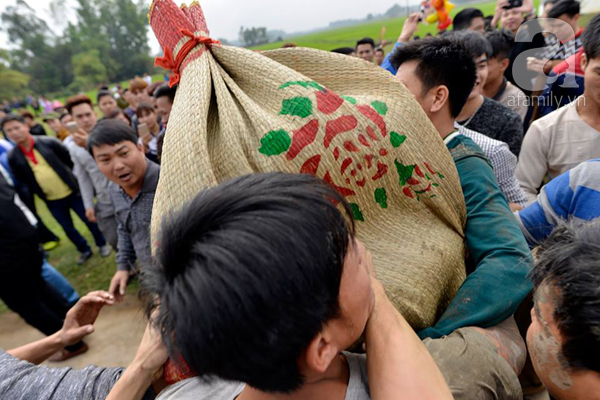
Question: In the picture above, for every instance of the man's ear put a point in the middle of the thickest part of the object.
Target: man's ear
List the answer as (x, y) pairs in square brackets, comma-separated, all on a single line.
[(584, 61), (140, 147), (440, 99), (321, 352), (504, 64)]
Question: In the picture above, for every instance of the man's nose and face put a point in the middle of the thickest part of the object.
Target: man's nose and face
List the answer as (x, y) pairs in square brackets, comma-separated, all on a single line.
[(545, 344), (107, 104), (123, 163), (84, 116), (366, 52), (407, 74), (17, 131), (477, 25), (481, 63), (511, 19), (163, 107)]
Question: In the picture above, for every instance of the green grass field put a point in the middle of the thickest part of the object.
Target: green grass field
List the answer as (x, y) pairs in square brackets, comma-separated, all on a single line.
[(347, 36)]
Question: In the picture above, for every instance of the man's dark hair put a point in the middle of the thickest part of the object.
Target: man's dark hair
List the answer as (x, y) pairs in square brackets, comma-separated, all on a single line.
[(115, 113), (165, 90), (76, 100), (562, 7), (144, 108), (64, 114), (11, 117), (591, 38), (473, 41), (103, 93), (27, 114), (111, 132), (441, 61), (463, 19), (501, 42), (248, 274), (366, 40), (379, 49), (343, 50), (569, 262)]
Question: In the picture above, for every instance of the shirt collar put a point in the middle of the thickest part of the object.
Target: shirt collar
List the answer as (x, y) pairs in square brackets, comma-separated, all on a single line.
[(29, 154)]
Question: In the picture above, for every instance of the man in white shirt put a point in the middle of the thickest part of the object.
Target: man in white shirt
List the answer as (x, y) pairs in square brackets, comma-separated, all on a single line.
[(570, 135)]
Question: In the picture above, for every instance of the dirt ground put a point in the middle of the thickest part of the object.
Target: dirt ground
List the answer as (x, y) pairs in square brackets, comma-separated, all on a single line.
[(119, 330)]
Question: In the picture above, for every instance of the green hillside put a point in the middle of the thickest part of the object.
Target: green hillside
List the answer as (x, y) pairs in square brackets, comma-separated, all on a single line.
[(347, 36)]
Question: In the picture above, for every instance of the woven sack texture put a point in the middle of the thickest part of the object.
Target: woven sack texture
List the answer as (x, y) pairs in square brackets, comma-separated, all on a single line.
[(347, 121)]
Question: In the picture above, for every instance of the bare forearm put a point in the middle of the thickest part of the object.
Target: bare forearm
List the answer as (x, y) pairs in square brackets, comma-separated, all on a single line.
[(38, 351), (132, 385), (398, 361)]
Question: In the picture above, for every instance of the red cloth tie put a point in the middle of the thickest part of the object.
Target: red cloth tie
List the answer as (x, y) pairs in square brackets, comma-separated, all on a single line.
[(174, 65)]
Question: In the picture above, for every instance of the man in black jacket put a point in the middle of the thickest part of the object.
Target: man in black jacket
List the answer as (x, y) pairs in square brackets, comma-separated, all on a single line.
[(22, 287), (44, 166)]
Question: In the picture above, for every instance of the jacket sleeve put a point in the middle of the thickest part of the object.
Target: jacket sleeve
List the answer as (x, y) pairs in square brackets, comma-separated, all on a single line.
[(86, 187), (533, 163), (496, 247), (126, 255), (61, 152)]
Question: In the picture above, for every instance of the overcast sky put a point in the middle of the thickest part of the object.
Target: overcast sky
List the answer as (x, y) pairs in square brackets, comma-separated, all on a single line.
[(224, 17)]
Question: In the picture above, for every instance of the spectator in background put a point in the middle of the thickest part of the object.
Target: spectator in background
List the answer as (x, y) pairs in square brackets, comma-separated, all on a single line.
[(497, 87), (52, 120), (570, 135), (106, 103), (408, 30), (130, 98), (137, 87), (565, 83), (349, 51), (114, 145), (365, 49), (512, 19), (165, 96), (481, 114), (379, 56), (563, 336), (34, 128), (120, 115), (65, 118), (565, 39), (92, 183), (574, 195), (149, 135), (441, 73), (469, 19), (44, 166)]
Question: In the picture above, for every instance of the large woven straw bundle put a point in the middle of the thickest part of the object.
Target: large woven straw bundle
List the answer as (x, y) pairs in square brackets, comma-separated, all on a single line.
[(347, 121)]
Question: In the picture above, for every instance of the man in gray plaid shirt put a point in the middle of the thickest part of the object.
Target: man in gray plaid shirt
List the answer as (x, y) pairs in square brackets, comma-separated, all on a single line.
[(114, 146), (504, 164)]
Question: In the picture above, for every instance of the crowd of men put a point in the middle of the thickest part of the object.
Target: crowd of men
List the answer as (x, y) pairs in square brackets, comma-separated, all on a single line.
[(525, 141)]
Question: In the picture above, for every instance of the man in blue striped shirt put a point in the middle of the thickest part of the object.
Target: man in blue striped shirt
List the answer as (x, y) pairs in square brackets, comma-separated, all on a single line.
[(572, 195)]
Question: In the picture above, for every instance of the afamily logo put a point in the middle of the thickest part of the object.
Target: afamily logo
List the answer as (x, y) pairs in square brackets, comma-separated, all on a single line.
[(561, 42)]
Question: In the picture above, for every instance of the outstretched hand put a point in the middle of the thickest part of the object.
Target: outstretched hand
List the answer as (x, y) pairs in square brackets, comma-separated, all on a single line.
[(410, 27), (80, 319)]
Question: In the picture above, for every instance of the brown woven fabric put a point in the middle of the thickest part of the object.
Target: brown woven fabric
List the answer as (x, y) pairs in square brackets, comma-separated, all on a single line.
[(347, 121)]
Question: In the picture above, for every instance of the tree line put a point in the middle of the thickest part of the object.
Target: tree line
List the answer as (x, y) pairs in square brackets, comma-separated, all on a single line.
[(106, 43)]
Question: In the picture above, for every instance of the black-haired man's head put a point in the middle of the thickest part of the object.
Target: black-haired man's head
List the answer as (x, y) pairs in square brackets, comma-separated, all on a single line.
[(379, 56), (564, 337), (469, 19), (564, 19), (439, 72), (501, 42), (590, 60), (114, 145), (165, 96), (16, 129), (480, 50), (348, 51), (106, 102), (365, 49), (260, 280)]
